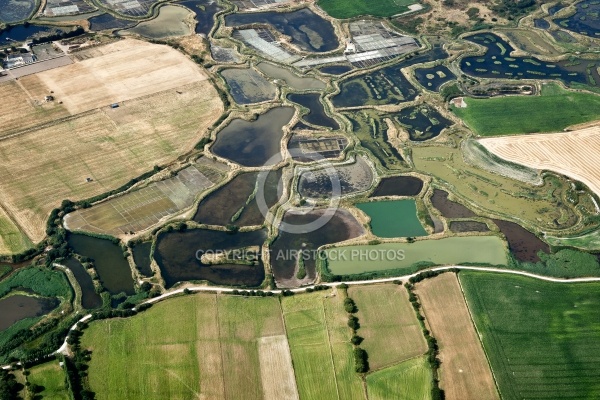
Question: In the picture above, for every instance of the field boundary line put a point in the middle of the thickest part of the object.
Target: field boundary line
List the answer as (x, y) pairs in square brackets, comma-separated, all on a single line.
[(337, 389), (289, 348), (49, 124), (220, 345), (479, 336)]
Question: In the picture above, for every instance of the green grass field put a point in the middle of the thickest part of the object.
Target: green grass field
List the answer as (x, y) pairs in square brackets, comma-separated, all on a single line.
[(12, 240), (52, 378), (409, 380), (542, 338), (553, 111), (540, 206), (189, 347), (405, 257), (342, 9), (388, 324), (319, 342)]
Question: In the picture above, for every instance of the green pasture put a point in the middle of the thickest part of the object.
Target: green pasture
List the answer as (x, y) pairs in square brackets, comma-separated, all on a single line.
[(542, 338), (51, 381), (343, 9), (409, 380), (540, 206), (388, 324), (553, 111)]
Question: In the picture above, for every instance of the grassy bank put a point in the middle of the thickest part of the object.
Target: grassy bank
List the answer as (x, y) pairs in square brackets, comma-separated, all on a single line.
[(553, 111)]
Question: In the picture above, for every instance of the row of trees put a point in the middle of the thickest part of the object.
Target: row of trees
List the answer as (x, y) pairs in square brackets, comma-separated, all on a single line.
[(432, 346), (361, 358)]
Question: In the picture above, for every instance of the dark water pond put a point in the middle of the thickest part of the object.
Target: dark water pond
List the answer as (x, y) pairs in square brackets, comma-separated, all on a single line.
[(254, 143), (336, 69), (422, 122), (555, 8), (205, 12), (398, 186), (113, 269), (89, 298), (142, 259), (541, 23), (107, 21), (448, 208), (308, 30), (316, 114), (523, 244), (468, 226), (342, 226), (235, 202), (497, 63), (176, 254), (433, 78), (586, 19), (22, 33), (18, 307), (384, 86), (14, 11)]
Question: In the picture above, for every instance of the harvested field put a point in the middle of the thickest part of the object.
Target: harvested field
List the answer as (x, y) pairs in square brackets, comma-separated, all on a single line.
[(190, 347), (574, 154), (139, 210), (125, 70), (464, 372), (109, 146), (388, 323), (319, 342), (276, 369), (26, 107)]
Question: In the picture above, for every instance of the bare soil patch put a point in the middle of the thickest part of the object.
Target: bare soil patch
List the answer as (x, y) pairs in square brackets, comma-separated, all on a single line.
[(124, 70), (277, 371), (465, 372)]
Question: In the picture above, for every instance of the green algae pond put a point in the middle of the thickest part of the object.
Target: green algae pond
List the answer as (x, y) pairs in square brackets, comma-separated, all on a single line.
[(396, 218), (404, 258)]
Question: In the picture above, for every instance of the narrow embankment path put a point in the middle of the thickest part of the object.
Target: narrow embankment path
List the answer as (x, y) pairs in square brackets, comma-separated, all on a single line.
[(64, 349)]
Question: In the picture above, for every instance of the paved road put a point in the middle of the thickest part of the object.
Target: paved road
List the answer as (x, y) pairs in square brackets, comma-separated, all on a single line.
[(64, 349)]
